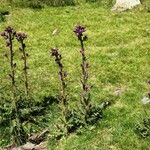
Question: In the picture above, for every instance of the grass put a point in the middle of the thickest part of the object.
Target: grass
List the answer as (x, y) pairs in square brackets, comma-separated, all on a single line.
[(118, 50)]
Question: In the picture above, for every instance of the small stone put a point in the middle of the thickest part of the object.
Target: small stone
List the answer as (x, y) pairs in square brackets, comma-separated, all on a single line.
[(28, 146), (17, 148), (112, 147), (41, 146), (118, 92), (38, 138), (146, 100)]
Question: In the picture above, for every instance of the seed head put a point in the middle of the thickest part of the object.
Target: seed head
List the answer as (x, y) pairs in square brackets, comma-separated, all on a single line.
[(20, 36), (54, 52)]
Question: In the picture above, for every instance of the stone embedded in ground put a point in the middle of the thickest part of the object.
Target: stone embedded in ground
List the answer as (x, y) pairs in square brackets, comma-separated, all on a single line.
[(28, 146), (41, 146), (146, 100), (38, 138), (118, 91), (31, 146), (122, 5), (36, 142), (16, 148)]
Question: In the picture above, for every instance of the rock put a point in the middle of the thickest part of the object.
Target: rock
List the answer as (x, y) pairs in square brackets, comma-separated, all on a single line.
[(17, 148), (31, 146), (10, 146), (118, 92), (28, 146), (36, 142), (38, 138), (41, 146), (122, 5), (146, 100)]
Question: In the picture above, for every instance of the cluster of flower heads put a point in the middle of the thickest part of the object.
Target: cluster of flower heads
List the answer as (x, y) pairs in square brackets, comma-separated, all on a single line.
[(9, 34), (79, 30), (8, 30)]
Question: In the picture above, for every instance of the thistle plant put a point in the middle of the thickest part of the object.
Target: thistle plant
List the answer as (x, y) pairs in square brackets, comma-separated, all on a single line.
[(90, 113), (85, 99), (20, 36), (9, 35), (17, 129), (62, 78)]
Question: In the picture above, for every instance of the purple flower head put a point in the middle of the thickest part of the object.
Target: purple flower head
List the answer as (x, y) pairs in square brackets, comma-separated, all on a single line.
[(79, 31), (9, 29), (9, 32), (20, 36)]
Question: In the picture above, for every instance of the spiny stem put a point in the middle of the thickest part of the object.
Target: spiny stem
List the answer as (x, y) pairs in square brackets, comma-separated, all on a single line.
[(25, 69), (85, 94), (12, 66), (21, 37), (62, 76)]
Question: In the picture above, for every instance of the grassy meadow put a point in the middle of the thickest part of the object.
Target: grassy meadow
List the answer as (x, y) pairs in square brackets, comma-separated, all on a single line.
[(118, 50)]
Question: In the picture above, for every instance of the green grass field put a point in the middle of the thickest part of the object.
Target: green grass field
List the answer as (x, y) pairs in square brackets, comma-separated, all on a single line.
[(118, 51)]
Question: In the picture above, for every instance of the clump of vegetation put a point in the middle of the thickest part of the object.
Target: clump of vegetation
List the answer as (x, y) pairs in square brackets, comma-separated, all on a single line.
[(59, 2), (91, 1), (19, 111), (3, 13), (2, 18), (71, 120), (143, 128), (18, 134), (35, 4), (38, 4), (24, 111)]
